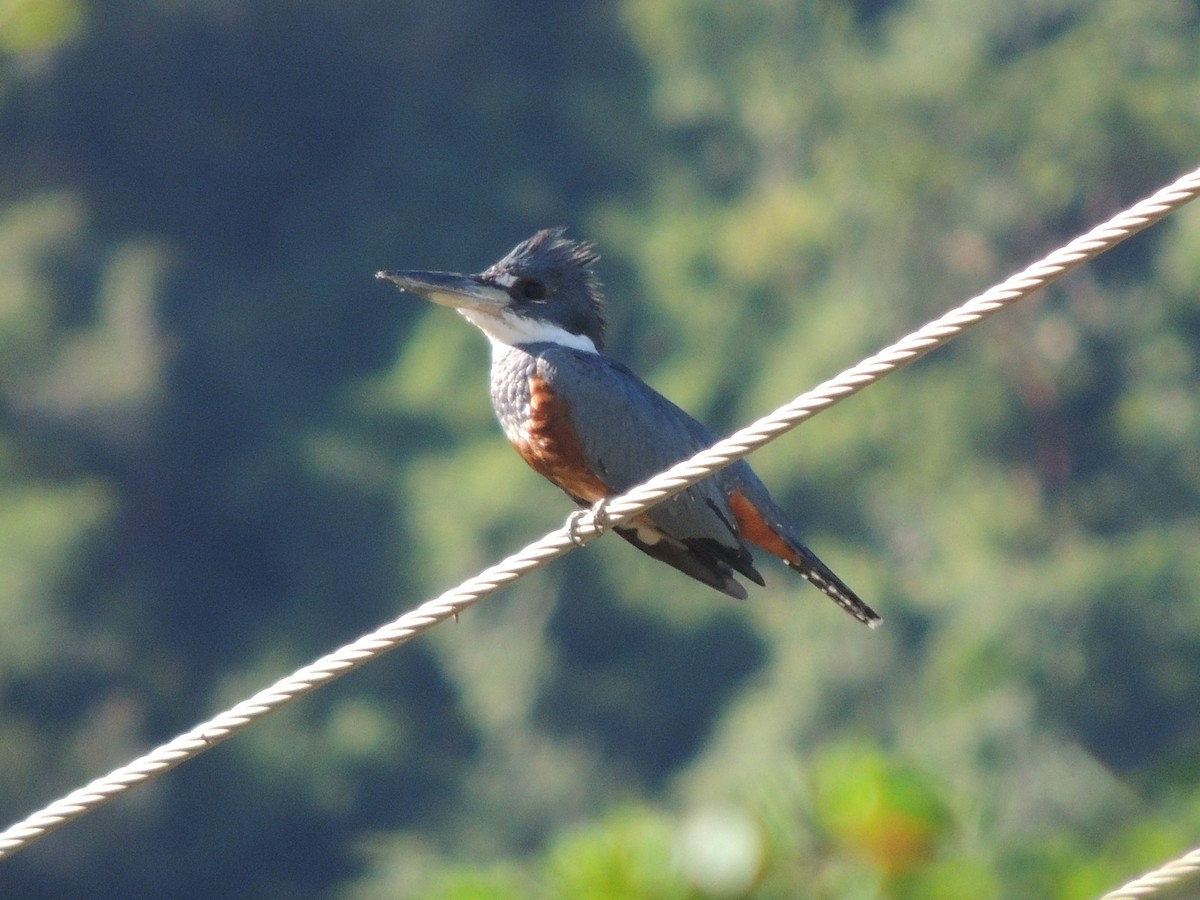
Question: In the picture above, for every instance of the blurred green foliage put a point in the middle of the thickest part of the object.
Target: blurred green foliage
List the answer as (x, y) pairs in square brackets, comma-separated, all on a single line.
[(224, 449), (31, 26)]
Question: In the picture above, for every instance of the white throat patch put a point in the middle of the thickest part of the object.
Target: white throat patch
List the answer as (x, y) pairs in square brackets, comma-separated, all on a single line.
[(511, 330)]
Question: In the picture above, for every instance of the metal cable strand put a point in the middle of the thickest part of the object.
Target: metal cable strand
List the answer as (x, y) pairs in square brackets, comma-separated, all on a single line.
[(911, 348), (585, 526), (1169, 875)]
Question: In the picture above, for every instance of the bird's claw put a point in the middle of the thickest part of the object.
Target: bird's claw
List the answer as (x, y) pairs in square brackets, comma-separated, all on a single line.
[(599, 513)]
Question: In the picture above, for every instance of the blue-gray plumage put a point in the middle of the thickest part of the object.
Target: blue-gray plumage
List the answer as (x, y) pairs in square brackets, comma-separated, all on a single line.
[(591, 426)]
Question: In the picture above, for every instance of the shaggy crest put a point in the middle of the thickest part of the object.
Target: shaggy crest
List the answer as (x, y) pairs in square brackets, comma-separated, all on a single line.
[(563, 265)]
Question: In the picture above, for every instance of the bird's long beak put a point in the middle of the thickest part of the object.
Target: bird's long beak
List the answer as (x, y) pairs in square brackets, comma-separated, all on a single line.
[(449, 289)]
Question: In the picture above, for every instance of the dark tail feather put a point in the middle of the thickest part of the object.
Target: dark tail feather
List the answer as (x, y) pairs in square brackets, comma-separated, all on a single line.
[(695, 561), (822, 578)]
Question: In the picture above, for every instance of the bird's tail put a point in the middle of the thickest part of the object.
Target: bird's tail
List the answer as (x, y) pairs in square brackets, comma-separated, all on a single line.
[(822, 578), (748, 502)]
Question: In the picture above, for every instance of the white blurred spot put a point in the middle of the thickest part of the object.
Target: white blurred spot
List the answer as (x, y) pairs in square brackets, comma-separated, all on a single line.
[(720, 850)]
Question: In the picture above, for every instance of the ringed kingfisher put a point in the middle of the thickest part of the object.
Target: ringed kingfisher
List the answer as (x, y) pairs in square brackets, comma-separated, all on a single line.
[(593, 428)]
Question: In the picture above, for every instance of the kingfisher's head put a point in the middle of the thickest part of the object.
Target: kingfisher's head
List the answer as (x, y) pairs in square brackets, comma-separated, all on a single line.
[(544, 290)]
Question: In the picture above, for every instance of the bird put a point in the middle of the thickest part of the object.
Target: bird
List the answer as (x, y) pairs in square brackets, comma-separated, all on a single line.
[(588, 424)]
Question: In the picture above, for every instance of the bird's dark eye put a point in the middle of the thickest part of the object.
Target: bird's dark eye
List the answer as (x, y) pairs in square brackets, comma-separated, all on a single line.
[(530, 289)]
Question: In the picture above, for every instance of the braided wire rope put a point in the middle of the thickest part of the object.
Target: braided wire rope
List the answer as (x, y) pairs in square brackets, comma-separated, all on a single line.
[(585, 526), (1171, 874)]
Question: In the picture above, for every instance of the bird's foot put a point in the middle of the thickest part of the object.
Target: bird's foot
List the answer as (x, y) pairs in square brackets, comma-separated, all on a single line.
[(599, 513)]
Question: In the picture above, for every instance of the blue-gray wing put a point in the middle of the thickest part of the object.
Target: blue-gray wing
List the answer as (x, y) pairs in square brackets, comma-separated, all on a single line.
[(629, 432)]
